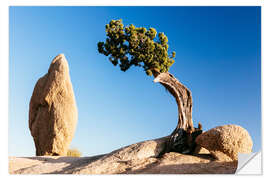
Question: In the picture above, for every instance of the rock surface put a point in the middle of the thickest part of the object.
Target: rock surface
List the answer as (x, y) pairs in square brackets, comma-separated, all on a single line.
[(53, 112), (139, 158), (118, 161), (225, 142)]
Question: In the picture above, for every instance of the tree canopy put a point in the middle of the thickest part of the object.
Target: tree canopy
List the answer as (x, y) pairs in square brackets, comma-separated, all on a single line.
[(136, 46)]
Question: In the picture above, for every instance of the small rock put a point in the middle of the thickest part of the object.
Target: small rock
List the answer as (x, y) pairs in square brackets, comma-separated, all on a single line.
[(228, 140), (201, 150), (53, 112), (220, 156)]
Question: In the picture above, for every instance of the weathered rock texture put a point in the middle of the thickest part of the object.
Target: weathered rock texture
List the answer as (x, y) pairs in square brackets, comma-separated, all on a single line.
[(130, 156), (139, 158), (52, 111), (226, 141)]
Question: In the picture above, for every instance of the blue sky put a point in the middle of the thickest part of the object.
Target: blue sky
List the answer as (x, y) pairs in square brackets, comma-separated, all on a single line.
[(218, 57)]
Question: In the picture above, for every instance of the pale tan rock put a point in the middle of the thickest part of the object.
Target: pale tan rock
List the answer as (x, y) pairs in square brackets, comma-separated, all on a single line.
[(139, 158), (122, 159), (52, 111), (220, 156), (201, 150), (176, 163), (17, 163), (228, 140)]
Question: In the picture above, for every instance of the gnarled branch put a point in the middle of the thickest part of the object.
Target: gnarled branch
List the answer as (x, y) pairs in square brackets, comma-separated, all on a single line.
[(182, 96), (183, 137)]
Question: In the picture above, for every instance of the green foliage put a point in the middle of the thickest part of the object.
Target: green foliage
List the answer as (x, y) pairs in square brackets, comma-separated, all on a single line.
[(74, 153), (136, 46)]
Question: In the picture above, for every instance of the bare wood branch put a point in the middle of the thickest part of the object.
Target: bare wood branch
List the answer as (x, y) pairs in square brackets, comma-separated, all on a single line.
[(182, 96)]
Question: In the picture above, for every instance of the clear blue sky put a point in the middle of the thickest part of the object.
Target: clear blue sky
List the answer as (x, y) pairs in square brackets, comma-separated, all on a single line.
[(217, 57)]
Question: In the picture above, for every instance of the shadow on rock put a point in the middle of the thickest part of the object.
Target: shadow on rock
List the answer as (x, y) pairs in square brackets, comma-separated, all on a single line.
[(213, 167)]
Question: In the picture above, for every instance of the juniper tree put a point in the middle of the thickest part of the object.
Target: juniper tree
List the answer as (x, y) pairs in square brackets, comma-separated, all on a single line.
[(137, 46)]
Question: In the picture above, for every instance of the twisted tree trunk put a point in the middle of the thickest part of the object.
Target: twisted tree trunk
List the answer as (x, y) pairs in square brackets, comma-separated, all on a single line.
[(183, 137)]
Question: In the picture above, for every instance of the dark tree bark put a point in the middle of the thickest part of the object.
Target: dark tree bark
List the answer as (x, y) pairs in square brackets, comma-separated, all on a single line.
[(183, 137)]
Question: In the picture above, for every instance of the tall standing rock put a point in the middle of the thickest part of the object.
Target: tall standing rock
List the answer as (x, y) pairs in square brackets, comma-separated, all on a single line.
[(53, 113)]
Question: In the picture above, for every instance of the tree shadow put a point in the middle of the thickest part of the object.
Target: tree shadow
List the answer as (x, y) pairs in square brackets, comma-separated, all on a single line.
[(83, 161), (72, 162), (205, 156), (212, 167), (157, 167)]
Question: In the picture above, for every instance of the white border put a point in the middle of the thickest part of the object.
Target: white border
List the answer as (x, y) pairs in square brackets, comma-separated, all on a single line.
[(4, 41), (138, 2), (4, 87)]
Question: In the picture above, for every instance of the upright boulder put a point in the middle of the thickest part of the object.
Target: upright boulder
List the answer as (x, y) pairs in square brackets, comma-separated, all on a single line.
[(225, 142), (53, 113)]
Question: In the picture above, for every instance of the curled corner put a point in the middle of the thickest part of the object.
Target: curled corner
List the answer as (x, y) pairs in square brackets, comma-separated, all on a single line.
[(249, 163)]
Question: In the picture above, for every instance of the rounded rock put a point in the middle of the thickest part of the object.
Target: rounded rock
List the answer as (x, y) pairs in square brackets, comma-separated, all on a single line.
[(229, 140)]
